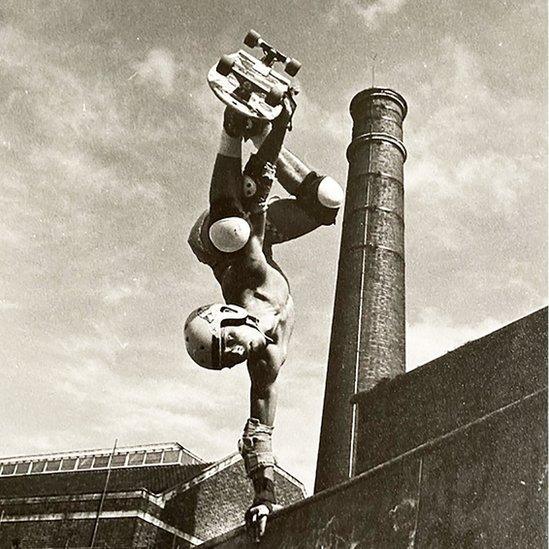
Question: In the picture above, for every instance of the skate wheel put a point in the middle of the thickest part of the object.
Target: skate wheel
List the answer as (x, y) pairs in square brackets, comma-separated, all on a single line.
[(252, 39), (274, 97), (225, 65), (292, 67)]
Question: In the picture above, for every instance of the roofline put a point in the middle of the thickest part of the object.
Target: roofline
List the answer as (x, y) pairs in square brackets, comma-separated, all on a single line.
[(218, 466), (210, 471), (142, 493), (292, 479), (101, 451)]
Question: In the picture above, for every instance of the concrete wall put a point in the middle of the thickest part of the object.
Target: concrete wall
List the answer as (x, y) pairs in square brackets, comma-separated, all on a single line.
[(480, 378)]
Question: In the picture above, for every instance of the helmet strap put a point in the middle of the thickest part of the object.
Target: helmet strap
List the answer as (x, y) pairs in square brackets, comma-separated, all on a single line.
[(217, 342)]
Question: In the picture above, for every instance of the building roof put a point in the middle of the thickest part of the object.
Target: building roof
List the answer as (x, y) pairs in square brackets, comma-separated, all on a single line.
[(155, 479), (165, 468), (126, 456), (153, 467)]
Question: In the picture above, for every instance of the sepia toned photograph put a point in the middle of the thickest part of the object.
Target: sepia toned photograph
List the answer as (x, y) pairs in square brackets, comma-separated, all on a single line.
[(273, 274)]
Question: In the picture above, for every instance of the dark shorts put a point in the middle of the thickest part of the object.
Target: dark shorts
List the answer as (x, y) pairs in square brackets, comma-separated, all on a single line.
[(207, 253), (286, 218)]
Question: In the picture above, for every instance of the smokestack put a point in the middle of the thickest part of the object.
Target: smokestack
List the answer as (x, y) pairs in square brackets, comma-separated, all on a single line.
[(368, 327)]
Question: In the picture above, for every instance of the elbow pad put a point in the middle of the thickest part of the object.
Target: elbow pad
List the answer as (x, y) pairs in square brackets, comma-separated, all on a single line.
[(257, 182)]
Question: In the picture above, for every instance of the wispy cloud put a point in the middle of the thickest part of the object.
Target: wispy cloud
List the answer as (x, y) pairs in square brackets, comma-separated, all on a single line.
[(6, 305), (159, 69), (372, 12), (434, 334)]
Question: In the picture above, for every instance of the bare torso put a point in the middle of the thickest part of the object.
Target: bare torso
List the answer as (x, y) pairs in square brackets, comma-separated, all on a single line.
[(267, 298)]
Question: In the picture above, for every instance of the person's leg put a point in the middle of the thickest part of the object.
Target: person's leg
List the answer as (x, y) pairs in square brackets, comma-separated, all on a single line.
[(317, 199), (226, 177), (286, 220), (228, 229), (290, 218)]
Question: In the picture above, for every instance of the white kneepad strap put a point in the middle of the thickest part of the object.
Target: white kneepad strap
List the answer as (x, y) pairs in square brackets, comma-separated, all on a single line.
[(229, 234), (255, 446), (329, 192)]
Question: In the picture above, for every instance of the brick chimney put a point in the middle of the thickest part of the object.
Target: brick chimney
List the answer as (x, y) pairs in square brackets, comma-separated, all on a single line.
[(368, 328)]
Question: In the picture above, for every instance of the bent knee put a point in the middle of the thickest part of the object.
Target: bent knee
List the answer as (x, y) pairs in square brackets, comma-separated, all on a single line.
[(321, 197), (329, 193), (229, 234)]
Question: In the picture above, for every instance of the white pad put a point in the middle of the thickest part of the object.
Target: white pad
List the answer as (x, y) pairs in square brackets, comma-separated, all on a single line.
[(230, 234), (330, 193), (255, 446)]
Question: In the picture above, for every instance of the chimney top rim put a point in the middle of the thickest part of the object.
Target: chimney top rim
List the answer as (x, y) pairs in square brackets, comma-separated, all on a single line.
[(379, 92)]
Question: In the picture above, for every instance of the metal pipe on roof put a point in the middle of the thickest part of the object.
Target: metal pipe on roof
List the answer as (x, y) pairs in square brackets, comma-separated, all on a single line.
[(103, 495)]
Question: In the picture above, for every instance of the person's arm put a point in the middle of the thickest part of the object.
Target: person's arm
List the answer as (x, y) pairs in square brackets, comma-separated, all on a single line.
[(290, 170), (263, 401), (263, 374)]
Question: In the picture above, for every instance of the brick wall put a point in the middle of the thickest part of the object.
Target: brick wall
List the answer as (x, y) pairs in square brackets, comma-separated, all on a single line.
[(213, 506), (52, 534), (217, 504)]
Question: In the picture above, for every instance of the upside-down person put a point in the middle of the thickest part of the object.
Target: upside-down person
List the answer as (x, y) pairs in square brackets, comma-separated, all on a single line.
[(235, 238)]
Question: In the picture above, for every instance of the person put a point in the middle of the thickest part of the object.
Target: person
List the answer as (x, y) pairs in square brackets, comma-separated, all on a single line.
[(235, 237)]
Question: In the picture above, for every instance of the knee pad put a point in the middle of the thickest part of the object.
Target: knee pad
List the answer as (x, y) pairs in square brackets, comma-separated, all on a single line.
[(320, 197), (229, 234), (329, 192), (255, 446)]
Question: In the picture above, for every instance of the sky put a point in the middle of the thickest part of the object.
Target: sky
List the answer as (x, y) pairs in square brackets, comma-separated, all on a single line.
[(108, 133)]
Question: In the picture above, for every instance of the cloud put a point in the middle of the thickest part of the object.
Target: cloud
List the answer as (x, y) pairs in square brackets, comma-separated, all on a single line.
[(373, 12), (158, 69), (6, 305), (113, 294), (475, 190), (435, 334)]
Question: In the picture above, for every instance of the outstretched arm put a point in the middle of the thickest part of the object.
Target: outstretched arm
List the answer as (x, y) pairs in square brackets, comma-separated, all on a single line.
[(263, 388), (257, 441)]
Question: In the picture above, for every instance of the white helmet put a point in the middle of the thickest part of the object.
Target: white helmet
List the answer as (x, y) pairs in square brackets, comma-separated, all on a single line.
[(203, 331)]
